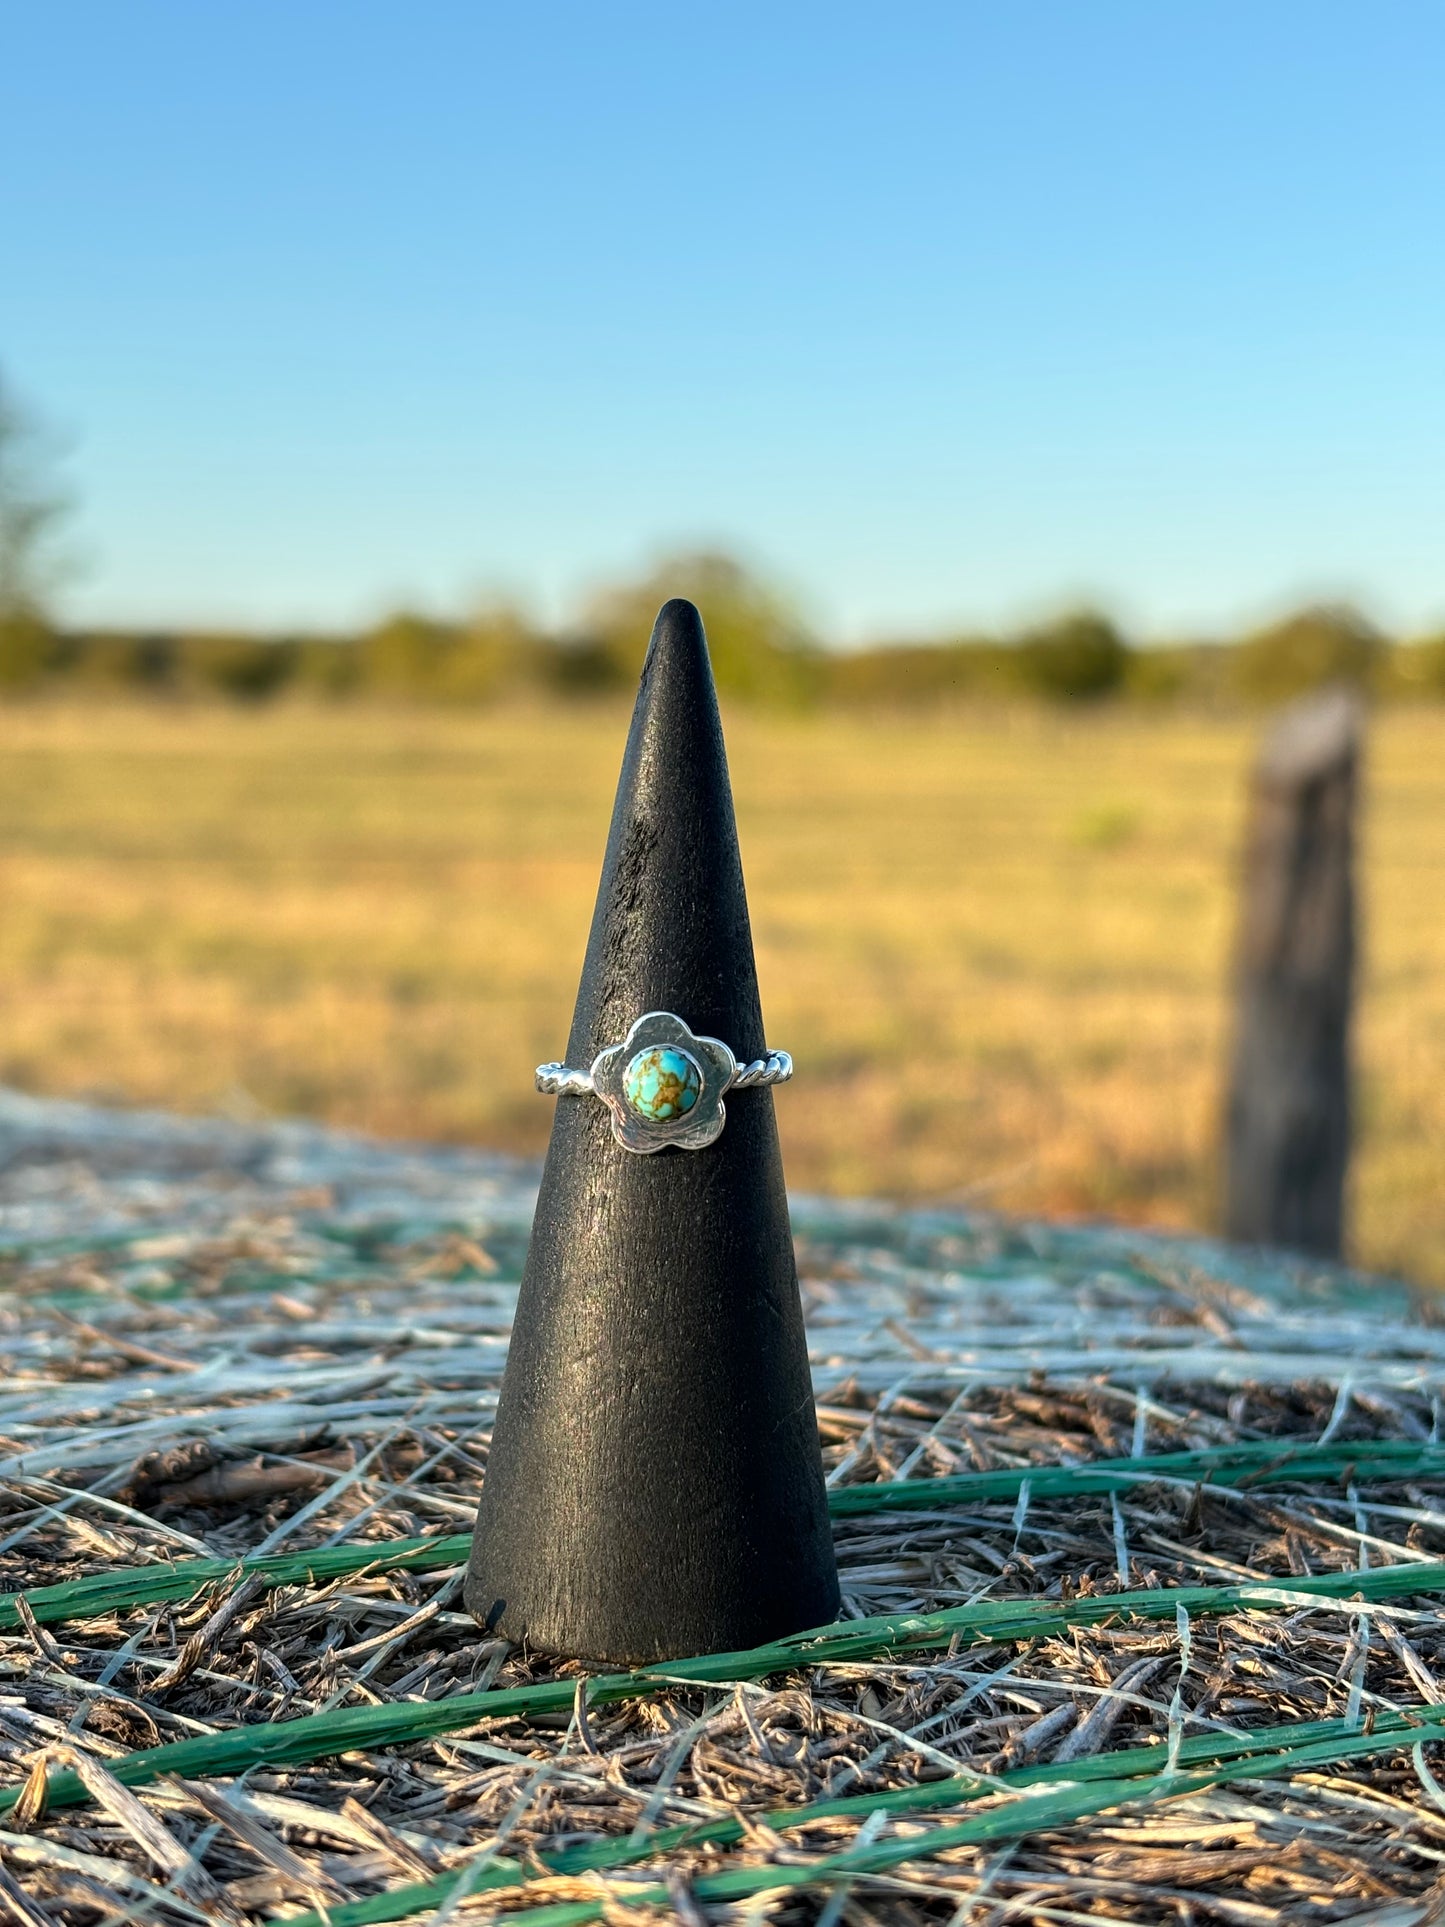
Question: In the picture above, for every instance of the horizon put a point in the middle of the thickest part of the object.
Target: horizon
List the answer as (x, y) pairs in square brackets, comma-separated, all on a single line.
[(575, 629), (946, 324)]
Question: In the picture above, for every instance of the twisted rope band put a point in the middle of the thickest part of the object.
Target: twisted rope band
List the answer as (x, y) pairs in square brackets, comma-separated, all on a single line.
[(775, 1068), (555, 1080)]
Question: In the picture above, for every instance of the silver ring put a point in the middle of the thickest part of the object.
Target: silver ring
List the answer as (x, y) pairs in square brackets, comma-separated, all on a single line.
[(664, 1084)]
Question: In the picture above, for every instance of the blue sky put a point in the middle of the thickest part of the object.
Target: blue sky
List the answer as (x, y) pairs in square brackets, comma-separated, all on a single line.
[(944, 315)]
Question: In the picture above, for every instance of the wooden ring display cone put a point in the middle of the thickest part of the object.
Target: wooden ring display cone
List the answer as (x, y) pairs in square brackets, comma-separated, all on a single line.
[(655, 1483)]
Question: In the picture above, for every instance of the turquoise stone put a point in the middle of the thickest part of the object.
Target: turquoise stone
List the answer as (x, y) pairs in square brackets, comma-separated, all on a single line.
[(662, 1083)]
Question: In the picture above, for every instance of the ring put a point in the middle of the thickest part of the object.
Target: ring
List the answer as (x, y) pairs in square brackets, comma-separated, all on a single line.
[(663, 1084)]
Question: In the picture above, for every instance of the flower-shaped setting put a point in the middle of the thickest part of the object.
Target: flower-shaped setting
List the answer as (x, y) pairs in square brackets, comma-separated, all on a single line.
[(664, 1085)]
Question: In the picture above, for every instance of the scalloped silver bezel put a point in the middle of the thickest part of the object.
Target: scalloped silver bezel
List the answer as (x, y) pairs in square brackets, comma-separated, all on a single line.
[(702, 1123)]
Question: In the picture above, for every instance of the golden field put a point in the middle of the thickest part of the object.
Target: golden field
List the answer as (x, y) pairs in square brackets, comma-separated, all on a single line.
[(997, 943)]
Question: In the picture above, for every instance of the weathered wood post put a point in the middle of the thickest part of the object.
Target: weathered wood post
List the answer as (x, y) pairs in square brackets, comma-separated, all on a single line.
[(1288, 1120)]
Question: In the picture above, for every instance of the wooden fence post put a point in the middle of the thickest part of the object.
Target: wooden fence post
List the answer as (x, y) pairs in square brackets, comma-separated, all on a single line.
[(1288, 1119)]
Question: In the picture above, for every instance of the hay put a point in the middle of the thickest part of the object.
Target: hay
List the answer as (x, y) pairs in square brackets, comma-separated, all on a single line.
[(223, 1343)]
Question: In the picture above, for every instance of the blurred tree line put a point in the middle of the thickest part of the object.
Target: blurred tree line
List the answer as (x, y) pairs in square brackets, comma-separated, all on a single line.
[(761, 653), (762, 649)]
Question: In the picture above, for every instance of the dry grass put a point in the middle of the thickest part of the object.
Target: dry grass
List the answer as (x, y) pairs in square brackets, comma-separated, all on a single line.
[(997, 945), (216, 1343)]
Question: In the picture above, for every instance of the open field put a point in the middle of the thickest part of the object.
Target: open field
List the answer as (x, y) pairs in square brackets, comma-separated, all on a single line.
[(996, 943)]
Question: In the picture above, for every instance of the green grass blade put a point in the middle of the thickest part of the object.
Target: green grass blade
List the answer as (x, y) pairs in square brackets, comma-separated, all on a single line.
[(1078, 1798), (597, 1856), (1271, 1462), (1043, 1814), (324, 1735), (181, 1579), (1258, 1463)]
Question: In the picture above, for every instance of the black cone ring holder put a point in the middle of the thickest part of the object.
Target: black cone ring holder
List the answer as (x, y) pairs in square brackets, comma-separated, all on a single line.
[(655, 1485)]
